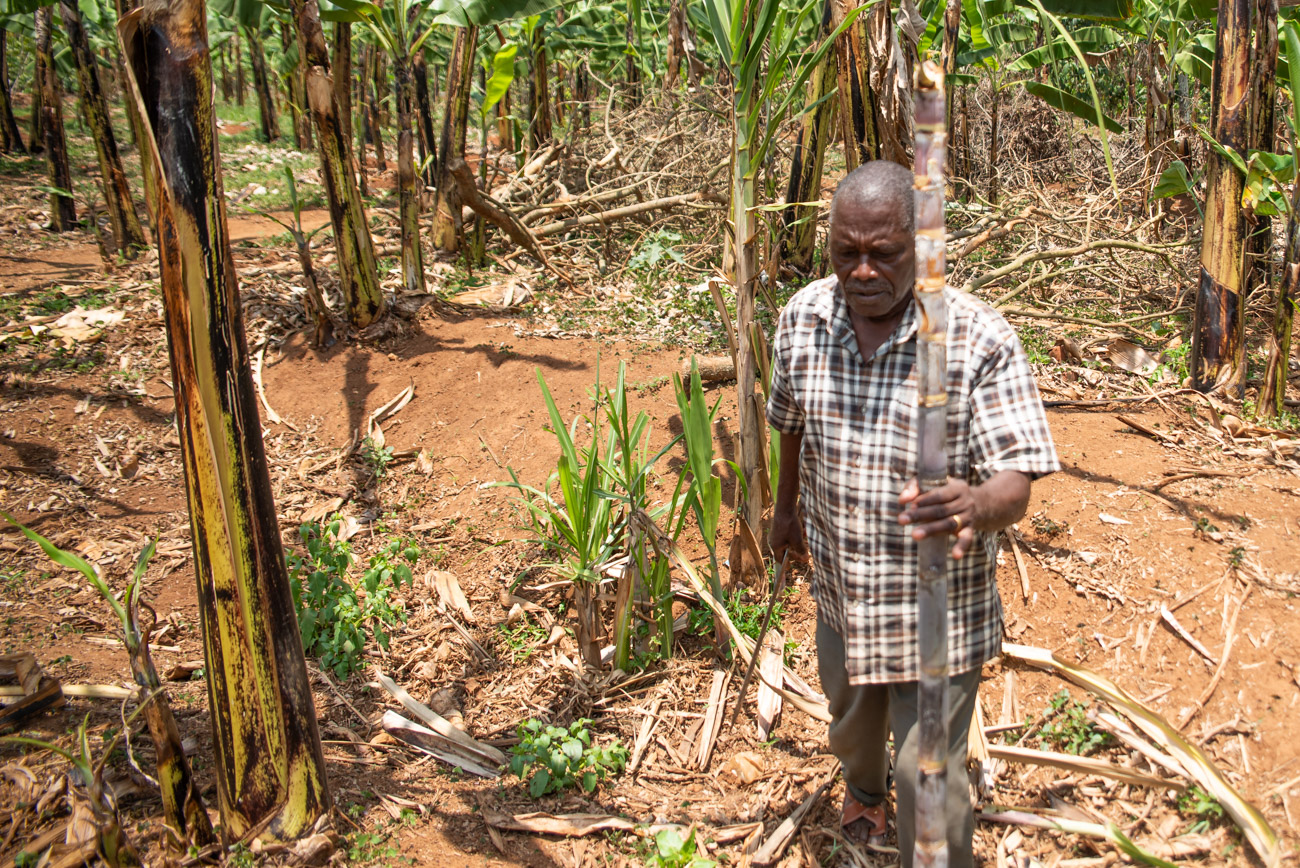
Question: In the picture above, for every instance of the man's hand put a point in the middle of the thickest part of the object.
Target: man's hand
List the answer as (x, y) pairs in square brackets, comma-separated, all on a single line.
[(785, 535), (961, 509), (787, 530)]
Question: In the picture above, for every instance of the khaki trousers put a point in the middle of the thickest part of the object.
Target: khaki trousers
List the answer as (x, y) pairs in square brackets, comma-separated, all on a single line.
[(862, 716)]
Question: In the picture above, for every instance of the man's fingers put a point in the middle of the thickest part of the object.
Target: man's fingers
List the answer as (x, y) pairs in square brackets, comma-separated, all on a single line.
[(909, 492), (965, 539), (925, 514), (944, 525)]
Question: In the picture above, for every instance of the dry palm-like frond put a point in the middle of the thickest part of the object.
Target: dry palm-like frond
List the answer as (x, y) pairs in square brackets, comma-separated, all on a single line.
[(1199, 766)]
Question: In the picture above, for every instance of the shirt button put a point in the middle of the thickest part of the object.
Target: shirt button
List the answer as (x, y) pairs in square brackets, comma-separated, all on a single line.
[(856, 557)]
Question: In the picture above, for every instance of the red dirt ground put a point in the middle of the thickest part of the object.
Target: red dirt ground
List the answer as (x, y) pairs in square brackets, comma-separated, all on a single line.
[(1096, 584)]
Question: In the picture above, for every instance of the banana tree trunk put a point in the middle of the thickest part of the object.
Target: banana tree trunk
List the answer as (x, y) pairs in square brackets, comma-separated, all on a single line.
[(295, 105), (631, 71), (1272, 391), (1263, 97), (262, 84), (799, 237), (857, 100), (951, 34), (424, 108), (994, 116), (341, 70), (122, 216), (185, 817), (505, 127), (451, 144), (11, 140), (931, 849), (374, 118), (1219, 319), (269, 767), (675, 49), (408, 195), (241, 84), (224, 75), (891, 48), (35, 117), (358, 275), (63, 212), (540, 129)]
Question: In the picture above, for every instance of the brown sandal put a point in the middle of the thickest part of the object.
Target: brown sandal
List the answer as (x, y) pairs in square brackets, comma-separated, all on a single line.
[(861, 823)]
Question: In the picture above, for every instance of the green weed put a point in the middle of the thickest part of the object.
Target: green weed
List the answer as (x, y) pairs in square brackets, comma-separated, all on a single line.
[(521, 638), (674, 851), (1200, 804), (554, 758), (1069, 728), (333, 614), (376, 456)]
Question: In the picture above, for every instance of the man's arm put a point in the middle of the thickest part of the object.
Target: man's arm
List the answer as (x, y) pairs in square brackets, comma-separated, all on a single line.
[(961, 508), (787, 532)]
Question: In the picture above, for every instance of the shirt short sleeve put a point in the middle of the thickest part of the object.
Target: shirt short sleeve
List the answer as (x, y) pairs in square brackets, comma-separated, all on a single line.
[(783, 410), (1009, 428)]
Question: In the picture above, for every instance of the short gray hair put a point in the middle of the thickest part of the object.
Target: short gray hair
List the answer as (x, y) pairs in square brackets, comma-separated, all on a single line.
[(880, 181)]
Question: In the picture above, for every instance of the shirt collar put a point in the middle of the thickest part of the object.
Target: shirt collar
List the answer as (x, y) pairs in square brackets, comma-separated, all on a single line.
[(834, 311)]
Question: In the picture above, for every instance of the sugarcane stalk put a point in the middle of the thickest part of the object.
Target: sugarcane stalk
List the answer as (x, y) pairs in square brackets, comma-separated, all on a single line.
[(932, 424)]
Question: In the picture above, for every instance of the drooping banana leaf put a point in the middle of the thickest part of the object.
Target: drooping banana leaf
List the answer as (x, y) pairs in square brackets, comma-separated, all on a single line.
[(1097, 10), (484, 13), (1057, 98), (1174, 181), (1092, 40)]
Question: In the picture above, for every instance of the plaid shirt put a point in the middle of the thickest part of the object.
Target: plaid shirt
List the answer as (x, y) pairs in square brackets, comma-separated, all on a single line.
[(858, 421)]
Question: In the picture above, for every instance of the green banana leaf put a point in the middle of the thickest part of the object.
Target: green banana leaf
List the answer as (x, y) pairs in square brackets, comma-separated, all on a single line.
[(1174, 181), (484, 13), (1057, 98)]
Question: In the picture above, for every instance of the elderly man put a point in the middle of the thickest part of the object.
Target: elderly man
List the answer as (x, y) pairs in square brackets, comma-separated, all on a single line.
[(844, 399)]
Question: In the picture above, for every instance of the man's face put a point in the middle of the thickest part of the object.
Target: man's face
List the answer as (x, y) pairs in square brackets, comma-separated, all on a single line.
[(874, 257)]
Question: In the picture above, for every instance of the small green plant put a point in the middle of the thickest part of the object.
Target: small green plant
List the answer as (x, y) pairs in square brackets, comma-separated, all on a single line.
[(1048, 527), (674, 851), (554, 758), (333, 614), (1202, 805), (366, 847), (521, 638), (1173, 364), (577, 526), (1069, 728), (655, 253), (704, 496), (240, 856), (377, 456)]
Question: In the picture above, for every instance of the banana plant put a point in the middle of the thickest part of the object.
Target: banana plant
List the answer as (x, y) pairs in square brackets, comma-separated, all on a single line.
[(994, 29), (183, 812), (401, 29)]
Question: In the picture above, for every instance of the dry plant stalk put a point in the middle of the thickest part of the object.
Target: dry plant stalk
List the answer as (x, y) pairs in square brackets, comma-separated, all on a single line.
[(932, 471)]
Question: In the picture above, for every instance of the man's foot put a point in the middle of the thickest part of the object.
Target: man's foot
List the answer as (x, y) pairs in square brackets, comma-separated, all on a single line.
[(862, 824)]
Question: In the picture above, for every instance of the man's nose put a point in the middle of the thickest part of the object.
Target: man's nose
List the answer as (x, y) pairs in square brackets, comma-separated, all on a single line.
[(865, 270)]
